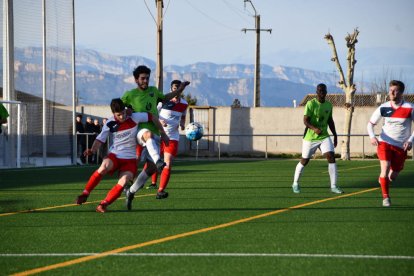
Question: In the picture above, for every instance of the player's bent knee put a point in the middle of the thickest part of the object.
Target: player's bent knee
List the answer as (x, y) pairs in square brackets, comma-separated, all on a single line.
[(146, 135), (150, 168), (304, 161)]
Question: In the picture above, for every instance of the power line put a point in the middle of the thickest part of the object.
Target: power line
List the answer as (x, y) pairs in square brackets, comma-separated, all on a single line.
[(237, 11), (168, 4), (145, 1), (211, 18)]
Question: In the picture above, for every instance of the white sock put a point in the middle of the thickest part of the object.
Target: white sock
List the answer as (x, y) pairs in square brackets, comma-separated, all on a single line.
[(139, 182), (298, 172), (332, 174), (153, 149)]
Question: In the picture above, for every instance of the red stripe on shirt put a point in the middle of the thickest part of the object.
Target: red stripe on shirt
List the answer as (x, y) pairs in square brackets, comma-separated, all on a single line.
[(180, 107), (129, 123), (402, 113)]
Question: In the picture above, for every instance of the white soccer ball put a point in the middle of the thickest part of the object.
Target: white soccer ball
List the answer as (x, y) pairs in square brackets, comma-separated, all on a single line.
[(194, 131)]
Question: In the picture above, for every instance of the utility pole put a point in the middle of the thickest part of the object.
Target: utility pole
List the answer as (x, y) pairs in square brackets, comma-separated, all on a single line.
[(159, 72), (256, 93)]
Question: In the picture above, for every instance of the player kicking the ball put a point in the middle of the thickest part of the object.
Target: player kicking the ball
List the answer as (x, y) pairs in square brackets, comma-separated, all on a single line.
[(121, 156), (172, 116)]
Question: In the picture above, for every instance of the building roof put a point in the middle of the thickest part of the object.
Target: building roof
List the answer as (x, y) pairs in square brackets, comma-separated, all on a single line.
[(360, 99)]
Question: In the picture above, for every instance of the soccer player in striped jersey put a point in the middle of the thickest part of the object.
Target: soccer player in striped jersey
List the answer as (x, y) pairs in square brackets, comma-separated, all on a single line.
[(317, 118), (121, 156), (396, 137), (172, 116)]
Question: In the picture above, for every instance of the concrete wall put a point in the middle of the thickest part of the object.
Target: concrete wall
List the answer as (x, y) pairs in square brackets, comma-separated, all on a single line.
[(279, 121), (242, 123)]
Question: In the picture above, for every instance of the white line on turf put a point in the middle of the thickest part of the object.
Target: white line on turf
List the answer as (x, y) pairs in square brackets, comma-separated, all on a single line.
[(291, 255)]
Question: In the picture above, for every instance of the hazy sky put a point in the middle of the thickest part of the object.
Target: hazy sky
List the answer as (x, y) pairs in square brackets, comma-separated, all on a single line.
[(210, 30)]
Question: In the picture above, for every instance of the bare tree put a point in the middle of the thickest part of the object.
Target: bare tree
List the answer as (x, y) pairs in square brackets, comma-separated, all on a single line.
[(346, 84)]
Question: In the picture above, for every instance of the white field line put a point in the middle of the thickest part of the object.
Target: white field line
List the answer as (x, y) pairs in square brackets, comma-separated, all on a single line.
[(291, 255)]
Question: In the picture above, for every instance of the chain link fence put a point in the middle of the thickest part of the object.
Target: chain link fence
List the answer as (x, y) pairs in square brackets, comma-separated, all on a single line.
[(44, 89)]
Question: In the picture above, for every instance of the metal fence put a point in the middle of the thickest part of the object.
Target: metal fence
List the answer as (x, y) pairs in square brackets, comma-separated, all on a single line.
[(266, 151), (38, 71)]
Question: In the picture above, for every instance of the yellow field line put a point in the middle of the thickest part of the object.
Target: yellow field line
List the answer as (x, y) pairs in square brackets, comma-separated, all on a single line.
[(357, 168), (182, 235), (60, 206)]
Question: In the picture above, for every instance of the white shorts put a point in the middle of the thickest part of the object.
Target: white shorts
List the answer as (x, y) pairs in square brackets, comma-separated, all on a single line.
[(309, 148), (145, 154), (139, 136)]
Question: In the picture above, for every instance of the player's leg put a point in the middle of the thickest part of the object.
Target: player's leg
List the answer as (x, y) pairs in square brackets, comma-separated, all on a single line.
[(154, 178), (138, 152), (384, 182), (307, 150), (397, 162), (396, 157), (106, 166), (165, 177), (384, 153), (328, 150), (169, 152), (151, 142), (116, 191), (139, 182)]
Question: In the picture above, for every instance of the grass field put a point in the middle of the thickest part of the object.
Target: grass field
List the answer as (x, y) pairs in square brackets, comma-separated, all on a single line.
[(222, 218)]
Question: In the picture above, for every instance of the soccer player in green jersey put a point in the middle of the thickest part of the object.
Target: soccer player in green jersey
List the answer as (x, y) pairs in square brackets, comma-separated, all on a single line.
[(144, 98), (317, 118)]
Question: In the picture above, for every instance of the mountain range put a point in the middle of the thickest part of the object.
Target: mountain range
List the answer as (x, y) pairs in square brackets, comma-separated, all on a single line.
[(101, 77)]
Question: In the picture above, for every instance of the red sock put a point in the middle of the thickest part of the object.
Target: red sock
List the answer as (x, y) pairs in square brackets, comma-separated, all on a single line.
[(385, 187), (92, 183), (164, 179), (154, 178), (113, 194)]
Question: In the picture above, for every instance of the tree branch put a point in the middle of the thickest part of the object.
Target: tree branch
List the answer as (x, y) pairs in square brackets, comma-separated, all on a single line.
[(351, 40), (329, 38)]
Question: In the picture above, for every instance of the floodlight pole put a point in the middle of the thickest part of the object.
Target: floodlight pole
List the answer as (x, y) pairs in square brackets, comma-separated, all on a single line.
[(44, 129), (75, 96), (159, 70), (256, 93)]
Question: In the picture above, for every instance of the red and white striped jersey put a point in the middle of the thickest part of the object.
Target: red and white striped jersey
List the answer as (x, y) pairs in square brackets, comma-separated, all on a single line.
[(397, 122), (171, 112), (124, 134)]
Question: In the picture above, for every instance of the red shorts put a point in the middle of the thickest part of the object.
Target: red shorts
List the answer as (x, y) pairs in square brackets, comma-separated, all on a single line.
[(393, 154), (123, 165), (172, 148)]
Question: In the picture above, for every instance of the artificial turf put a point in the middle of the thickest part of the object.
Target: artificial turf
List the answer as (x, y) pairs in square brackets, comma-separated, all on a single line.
[(221, 218)]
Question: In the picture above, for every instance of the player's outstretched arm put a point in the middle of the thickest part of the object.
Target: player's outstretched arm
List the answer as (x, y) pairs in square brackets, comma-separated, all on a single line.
[(95, 147), (177, 92)]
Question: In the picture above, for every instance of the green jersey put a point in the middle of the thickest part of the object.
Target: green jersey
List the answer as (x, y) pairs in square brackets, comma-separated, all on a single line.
[(319, 114), (144, 101)]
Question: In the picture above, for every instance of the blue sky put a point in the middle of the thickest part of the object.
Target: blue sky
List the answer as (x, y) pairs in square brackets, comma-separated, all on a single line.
[(210, 30)]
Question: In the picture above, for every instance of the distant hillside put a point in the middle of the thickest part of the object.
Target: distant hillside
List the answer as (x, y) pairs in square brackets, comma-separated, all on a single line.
[(101, 77)]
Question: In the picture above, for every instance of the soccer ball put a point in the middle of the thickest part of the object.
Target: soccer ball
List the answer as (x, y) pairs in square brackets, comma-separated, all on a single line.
[(194, 131)]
